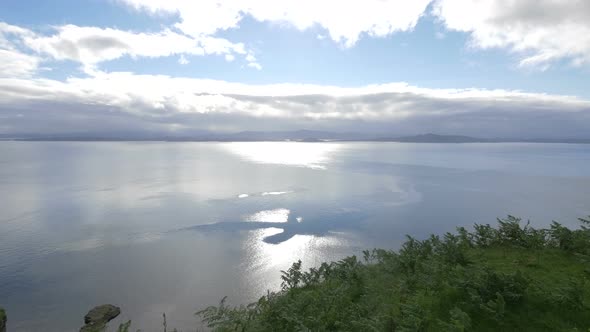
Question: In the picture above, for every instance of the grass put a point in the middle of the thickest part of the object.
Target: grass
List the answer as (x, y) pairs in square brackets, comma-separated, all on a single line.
[(511, 278), (558, 292), (2, 320)]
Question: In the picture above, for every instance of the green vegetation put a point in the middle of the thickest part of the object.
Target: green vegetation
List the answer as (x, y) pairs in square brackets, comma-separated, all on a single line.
[(2, 320), (512, 277)]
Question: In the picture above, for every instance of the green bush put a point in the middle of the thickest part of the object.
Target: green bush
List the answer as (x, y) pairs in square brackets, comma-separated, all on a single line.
[(482, 280)]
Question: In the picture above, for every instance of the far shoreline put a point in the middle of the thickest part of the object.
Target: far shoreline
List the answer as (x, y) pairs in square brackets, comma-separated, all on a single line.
[(80, 140)]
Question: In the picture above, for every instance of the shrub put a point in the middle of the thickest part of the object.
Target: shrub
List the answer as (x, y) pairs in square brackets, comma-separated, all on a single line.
[(436, 284), (485, 235)]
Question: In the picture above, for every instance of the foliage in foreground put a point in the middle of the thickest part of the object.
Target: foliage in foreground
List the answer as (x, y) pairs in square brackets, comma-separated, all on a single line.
[(510, 277), (2, 319)]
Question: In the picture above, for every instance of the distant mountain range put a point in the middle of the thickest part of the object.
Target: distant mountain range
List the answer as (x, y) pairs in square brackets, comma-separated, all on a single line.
[(434, 138), (298, 136)]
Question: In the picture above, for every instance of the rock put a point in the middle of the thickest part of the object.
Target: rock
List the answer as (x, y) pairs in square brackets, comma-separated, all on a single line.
[(105, 312), (97, 318), (2, 320)]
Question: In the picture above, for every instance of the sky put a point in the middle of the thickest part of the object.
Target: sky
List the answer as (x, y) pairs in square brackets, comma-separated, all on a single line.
[(486, 68)]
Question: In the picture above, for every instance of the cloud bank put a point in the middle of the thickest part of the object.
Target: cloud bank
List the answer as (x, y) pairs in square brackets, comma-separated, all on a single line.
[(163, 105)]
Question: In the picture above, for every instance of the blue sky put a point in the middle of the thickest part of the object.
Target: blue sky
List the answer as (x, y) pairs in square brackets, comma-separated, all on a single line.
[(480, 60)]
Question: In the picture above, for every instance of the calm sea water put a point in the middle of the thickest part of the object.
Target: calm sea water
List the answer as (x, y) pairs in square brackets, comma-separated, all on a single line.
[(173, 227)]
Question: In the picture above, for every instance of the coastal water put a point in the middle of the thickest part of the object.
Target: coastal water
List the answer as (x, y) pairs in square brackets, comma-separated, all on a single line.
[(173, 227)]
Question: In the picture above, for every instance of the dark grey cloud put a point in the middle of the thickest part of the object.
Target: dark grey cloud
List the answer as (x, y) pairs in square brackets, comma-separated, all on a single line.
[(123, 102), (102, 42)]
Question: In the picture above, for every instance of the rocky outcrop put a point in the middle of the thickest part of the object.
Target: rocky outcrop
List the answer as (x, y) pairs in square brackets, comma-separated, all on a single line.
[(97, 318), (2, 320)]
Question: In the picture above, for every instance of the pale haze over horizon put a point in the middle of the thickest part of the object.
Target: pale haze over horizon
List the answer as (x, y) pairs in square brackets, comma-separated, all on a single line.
[(485, 68)]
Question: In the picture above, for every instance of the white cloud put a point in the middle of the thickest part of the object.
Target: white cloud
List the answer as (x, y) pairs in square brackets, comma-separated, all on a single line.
[(150, 103), (255, 65), (13, 62), (345, 21), (253, 62), (16, 64), (250, 58), (8, 29), (229, 57), (183, 60), (92, 45), (541, 31)]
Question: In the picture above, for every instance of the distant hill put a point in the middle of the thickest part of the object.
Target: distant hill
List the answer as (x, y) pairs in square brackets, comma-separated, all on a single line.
[(434, 138)]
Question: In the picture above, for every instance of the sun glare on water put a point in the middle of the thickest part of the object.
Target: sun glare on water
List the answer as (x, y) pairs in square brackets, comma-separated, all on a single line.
[(276, 215), (311, 155)]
